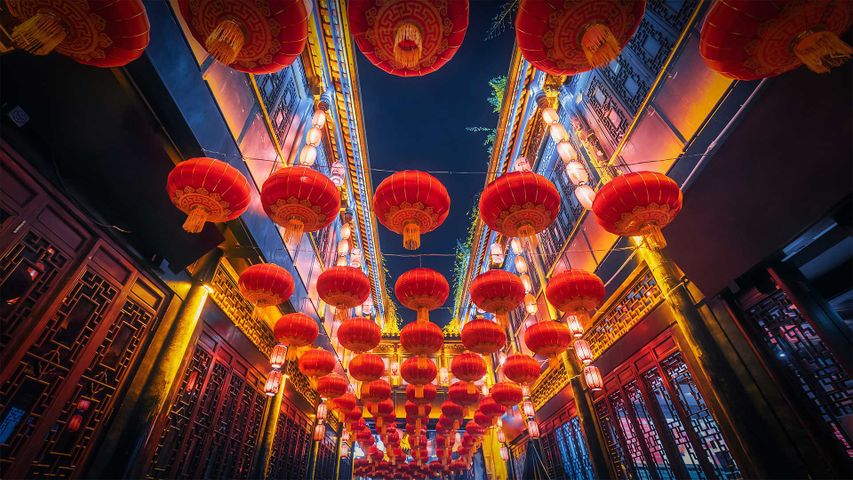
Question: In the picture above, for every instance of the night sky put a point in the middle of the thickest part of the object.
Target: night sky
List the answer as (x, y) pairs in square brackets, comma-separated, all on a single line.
[(419, 123)]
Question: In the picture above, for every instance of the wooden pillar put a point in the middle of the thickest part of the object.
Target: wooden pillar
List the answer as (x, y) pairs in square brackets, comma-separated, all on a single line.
[(589, 425), (315, 451), (265, 446)]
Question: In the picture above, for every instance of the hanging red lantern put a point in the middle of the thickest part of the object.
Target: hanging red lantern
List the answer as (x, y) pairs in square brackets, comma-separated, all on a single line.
[(417, 410), (521, 369), (520, 204), (296, 330), (332, 386), (411, 203), (300, 200), (575, 291), (266, 285), (408, 38), (483, 336), (422, 290), (498, 292), (366, 367), (567, 38), (380, 410), (343, 288), (549, 339), (480, 418), (317, 362), (344, 403), (375, 391), (260, 36), (491, 408), (207, 190), (475, 429), (592, 377), (465, 394), (418, 371), (421, 338), (359, 334), (748, 40), (364, 437), (451, 410), (583, 351), (428, 393), (97, 33), (468, 367), (639, 203), (354, 418)]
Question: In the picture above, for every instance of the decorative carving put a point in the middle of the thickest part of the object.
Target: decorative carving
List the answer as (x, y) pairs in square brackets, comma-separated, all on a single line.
[(607, 110), (673, 13), (227, 297), (631, 87), (652, 46), (549, 384)]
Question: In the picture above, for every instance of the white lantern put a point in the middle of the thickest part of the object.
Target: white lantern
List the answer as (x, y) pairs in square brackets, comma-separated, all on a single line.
[(443, 376), (314, 136), (520, 264), (342, 261), (504, 453), (496, 254), (585, 195), (336, 175), (567, 151), (343, 247), (522, 165), (273, 383), (549, 116), (501, 435), (558, 133), (319, 119), (583, 351), (355, 257), (575, 326), (515, 244), (528, 285), (533, 429), (346, 231), (308, 156), (577, 172), (530, 304)]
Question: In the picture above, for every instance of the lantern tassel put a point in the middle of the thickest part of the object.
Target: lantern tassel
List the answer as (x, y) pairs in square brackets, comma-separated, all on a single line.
[(294, 230), (408, 45), (822, 51), (195, 220), (225, 41), (599, 45), (39, 34), (411, 236)]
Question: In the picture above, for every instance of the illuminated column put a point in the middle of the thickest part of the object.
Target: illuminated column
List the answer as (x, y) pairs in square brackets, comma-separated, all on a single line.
[(264, 451)]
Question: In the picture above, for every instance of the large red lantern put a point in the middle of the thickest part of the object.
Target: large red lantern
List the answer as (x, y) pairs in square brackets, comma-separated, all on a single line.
[(521, 369), (480, 418), (464, 393), (567, 38), (343, 288), (317, 362), (375, 391), (639, 203), (451, 410), (91, 32), (410, 203), (332, 386), (344, 403), (520, 204), (366, 367), (475, 429), (380, 410), (548, 338), (257, 36), (422, 290), (296, 330), (468, 367), (748, 40), (207, 190), (418, 371), (428, 394), (491, 408), (421, 338), (483, 336), (300, 200), (417, 410), (498, 292), (574, 291), (266, 284), (408, 38), (359, 334)]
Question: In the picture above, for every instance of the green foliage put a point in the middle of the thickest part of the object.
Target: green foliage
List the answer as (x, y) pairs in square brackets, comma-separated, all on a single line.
[(498, 85), (503, 19)]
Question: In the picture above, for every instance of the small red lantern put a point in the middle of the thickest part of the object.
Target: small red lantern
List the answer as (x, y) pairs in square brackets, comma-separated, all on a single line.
[(498, 292), (411, 203), (343, 288), (332, 386), (464, 393), (207, 190), (483, 336), (296, 330), (317, 362), (583, 351), (359, 334), (748, 40), (375, 391), (261, 36), (491, 408), (592, 376), (91, 32), (567, 38), (639, 203), (520, 204), (475, 429), (300, 200), (417, 410), (344, 403), (521, 369), (451, 410), (408, 38), (428, 394), (273, 383), (366, 367), (422, 290), (480, 418), (418, 371), (548, 338), (575, 291), (468, 367), (266, 285), (421, 338)]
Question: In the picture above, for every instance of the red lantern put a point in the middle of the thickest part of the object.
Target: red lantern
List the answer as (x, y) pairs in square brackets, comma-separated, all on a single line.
[(748, 40), (343, 288), (639, 203), (207, 190), (429, 391), (421, 338), (521, 369), (520, 204), (451, 410), (483, 336), (491, 408), (411, 203), (300, 200), (422, 290), (480, 418), (98, 33), (296, 330), (464, 393), (344, 403), (332, 386), (475, 429), (380, 410), (417, 410), (468, 367), (261, 36), (366, 367), (498, 292), (575, 291), (375, 391), (359, 334), (567, 38), (266, 284), (418, 371), (408, 38), (548, 338), (592, 376), (317, 362)]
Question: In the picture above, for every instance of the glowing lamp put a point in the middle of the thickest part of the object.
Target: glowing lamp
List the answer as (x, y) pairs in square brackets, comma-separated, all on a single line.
[(355, 257), (583, 352), (549, 116), (528, 285), (577, 172), (443, 376), (501, 435), (522, 165), (395, 368), (504, 453), (527, 408), (575, 327), (346, 231), (308, 155), (530, 304), (314, 136), (337, 173), (273, 383), (343, 247), (567, 151), (520, 264), (319, 119), (319, 432), (496, 254), (592, 376), (585, 195), (558, 133), (322, 411), (341, 262), (278, 355), (533, 429), (515, 244)]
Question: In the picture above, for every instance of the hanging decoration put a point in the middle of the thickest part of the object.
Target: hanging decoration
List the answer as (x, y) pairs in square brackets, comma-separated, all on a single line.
[(592, 377), (296, 330), (366, 367), (468, 367), (490, 408), (521, 369), (549, 339), (429, 393), (207, 190), (92, 32), (408, 38), (421, 338), (300, 200), (418, 371), (375, 391), (332, 386), (343, 288), (520, 204), (465, 394), (422, 290), (266, 285), (411, 203), (749, 40), (497, 292), (567, 38), (359, 334), (483, 336), (257, 36), (575, 292), (506, 394), (317, 362)]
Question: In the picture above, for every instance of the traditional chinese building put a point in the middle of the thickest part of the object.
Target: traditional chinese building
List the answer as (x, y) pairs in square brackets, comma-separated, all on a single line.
[(655, 282)]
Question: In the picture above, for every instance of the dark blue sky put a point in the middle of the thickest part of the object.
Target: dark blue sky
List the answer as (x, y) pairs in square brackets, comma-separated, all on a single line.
[(419, 123)]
